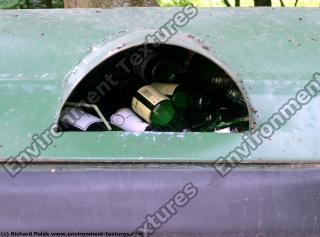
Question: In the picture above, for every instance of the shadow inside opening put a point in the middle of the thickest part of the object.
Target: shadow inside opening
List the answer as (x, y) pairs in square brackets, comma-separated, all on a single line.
[(162, 88)]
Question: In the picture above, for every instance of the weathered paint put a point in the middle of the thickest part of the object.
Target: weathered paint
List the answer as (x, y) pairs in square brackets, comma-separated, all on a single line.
[(272, 53)]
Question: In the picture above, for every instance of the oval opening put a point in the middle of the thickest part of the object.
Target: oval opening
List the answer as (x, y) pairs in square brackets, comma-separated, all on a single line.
[(166, 88)]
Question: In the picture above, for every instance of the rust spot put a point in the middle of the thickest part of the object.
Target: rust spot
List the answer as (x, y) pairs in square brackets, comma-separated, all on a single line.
[(300, 18), (198, 41), (121, 46), (253, 110), (190, 36), (206, 47), (254, 127)]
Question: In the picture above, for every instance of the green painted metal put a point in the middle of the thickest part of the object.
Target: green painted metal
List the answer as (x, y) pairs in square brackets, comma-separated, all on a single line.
[(271, 53)]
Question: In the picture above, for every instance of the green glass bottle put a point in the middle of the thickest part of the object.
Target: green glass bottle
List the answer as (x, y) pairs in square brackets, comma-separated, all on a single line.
[(217, 120), (235, 102), (242, 122), (234, 93), (156, 109), (156, 67), (191, 98), (200, 122), (209, 73)]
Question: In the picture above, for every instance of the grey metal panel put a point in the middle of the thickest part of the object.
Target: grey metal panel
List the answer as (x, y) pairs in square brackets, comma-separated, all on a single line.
[(256, 201)]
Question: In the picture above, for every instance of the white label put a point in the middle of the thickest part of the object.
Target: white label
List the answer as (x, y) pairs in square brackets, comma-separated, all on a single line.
[(165, 88), (224, 130), (78, 118), (142, 110), (126, 119), (152, 95)]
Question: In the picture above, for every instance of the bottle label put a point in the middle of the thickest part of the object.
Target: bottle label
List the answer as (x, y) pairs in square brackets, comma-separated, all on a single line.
[(165, 88), (152, 95), (127, 120), (78, 118), (142, 110), (224, 130)]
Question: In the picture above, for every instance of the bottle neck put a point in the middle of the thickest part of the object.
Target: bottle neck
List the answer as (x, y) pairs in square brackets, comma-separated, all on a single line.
[(221, 81), (200, 100)]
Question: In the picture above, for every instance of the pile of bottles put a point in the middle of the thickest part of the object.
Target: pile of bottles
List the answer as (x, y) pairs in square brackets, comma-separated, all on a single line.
[(166, 94)]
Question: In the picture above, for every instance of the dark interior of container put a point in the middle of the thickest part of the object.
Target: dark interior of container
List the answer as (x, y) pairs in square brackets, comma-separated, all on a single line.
[(104, 84)]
